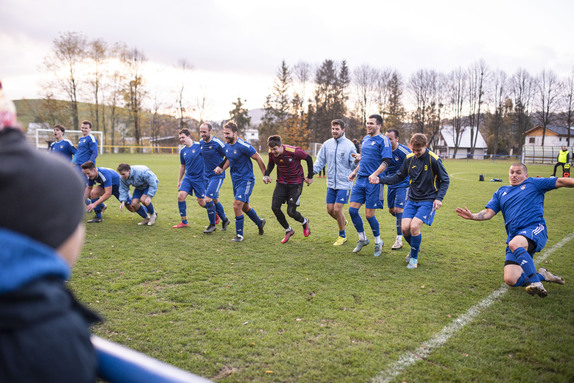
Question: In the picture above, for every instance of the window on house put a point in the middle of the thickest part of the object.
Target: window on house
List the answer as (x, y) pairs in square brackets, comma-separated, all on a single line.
[(531, 140)]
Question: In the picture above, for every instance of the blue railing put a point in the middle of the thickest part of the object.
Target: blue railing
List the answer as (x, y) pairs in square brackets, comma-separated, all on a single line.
[(119, 364)]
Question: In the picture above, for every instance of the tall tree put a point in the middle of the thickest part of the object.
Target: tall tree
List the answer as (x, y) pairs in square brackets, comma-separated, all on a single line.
[(477, 74), (568, 102), (499, 99), (421, 86), (97, 53), (240, 115), (184, 67), (365, 85), (522, 91), (278, 104), (457, 90), (302, 74), (548, 88), (395, 110), (135, 92)]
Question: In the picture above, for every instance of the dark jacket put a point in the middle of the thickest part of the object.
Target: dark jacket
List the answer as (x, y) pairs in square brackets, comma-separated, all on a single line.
[(44, 330), (429, 179)]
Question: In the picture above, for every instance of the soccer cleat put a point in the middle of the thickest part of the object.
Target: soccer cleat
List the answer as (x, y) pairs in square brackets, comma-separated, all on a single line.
[(378, 249), (145, 221), (152, 219), (548, 276), (261, 231), (225, 224), (537, 288), (237, 238), (180, 225), (413, 263), (288, 234), (360, 244), (340, 241), (398, 244), (210, 229), (408, 257), (217, 219), (306, 228), (95, 220), (104, 208)]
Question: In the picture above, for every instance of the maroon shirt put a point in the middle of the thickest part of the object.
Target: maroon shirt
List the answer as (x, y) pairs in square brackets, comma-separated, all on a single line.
[(289, 169)]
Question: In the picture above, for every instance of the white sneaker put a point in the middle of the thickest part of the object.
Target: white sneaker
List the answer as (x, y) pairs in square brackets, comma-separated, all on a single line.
[(398, 244), (145, 221), (152, 219), (536, 288), (549, 277)]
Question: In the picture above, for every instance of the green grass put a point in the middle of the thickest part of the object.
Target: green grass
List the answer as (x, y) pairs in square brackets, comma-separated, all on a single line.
[(307, 311)]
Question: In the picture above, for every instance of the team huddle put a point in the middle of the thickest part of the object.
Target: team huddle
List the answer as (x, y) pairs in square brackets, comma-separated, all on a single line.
[(416, 180)]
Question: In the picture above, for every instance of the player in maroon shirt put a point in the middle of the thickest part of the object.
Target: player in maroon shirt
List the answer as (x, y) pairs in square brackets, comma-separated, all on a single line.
[(290, 178)]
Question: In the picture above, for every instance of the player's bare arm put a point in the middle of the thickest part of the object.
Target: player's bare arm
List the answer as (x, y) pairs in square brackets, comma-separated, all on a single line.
[(374, 178), (483, 215)]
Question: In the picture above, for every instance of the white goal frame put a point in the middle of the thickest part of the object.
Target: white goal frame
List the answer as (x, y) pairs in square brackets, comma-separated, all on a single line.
[(94, 132)]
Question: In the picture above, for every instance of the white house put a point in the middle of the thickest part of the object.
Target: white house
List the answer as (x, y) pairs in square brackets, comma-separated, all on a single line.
[(555, 136), (446, 143)]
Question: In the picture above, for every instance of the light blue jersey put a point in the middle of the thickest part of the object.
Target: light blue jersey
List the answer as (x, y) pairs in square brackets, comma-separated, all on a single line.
[(373, 150), (64, 147), (213, 153), (191, 157), (239, 157), (522, 205)]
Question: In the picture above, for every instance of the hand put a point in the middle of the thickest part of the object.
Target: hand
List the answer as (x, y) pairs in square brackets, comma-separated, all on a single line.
[(146, 200), (218, 170), (90, 207), (267, 180), (356, 156), (464, 213), (352, 176), (122, 205), (308, 181), (436, 204), (373, 179)]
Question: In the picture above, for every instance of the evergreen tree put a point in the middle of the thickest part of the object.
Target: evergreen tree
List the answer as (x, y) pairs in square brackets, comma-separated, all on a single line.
[(240, 115)]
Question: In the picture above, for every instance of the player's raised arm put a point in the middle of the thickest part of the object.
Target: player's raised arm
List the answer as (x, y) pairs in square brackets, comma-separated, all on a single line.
[(484, 215)]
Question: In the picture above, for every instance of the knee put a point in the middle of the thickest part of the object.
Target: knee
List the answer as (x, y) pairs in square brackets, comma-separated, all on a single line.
[(392, 212), (510, 280), (353, 212), (291, 210)]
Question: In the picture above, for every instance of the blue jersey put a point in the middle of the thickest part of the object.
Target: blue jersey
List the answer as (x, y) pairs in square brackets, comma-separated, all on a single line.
[(399, 155), (64, 147), (522, 205), (106, 177), (373, 150), (213, 153), (239, 157), (87, 150), (191, 157)]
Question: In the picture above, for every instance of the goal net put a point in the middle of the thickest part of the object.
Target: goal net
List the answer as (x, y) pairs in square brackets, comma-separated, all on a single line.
[(45, 137)]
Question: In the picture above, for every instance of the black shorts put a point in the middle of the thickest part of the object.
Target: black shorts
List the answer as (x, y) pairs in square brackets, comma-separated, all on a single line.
[(287, 193)]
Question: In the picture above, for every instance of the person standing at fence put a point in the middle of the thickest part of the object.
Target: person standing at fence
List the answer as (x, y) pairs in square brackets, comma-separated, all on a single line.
[(522, 207), (337, 154), (87, 146), (62, 145), (289, 186), (145, 185), (374, 158), (562, 159), (428, 186), (213, 152), (238, 155), (109, 185)]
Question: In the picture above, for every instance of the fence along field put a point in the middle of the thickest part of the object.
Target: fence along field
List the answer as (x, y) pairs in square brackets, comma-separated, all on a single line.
[(307, 311)]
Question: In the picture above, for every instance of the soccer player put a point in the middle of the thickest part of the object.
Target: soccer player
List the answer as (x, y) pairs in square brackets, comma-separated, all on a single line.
[(289, 186), (397, 194), (429, 183), (213, 152), (87, 146), (62, 145), (522, 206), (238, 158), (374, 159), (145, 185), (109, 184), (337, 153)]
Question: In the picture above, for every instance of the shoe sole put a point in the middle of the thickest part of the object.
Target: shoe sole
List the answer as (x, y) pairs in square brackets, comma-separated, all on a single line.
[(542, 293), (224, 225), (209, 231), (396, 247)]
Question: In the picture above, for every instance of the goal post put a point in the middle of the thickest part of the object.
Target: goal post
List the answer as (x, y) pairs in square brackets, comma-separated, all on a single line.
[(44, 136)]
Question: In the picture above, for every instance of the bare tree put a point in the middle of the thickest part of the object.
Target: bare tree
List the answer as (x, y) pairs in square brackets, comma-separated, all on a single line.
[(302, 72), (97, 52), (477, 74), (549, 90), (365, 86), (382, 90), (568, 102), (499, 97), (457, 91), (135, 93), (521, 90), (421, 87), (184, 67), (114, 90)]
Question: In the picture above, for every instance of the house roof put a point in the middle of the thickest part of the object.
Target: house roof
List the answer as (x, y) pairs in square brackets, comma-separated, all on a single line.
[(448, 134), (559, 130)]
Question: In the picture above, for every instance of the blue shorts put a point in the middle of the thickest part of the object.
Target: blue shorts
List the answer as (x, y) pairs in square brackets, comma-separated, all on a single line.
[(213, 185), (242, 190), (338, 196), (396, 197), (116, 192), (138, 193), (537, 237), (366, 193), (193, 187), (420, 210)]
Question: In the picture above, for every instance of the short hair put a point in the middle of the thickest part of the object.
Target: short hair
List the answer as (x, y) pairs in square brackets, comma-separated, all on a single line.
[(209, 127), (86, 122), (274, 141), (520, 164), (88, 165), (338, 122), (378, 118), (231, 125), (185, 131), (394, 131), (418, 140), (60, 128), (123, 167)]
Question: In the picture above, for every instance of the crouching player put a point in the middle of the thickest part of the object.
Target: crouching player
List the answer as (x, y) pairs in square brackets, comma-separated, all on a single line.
[(145, 185), (109, 184)]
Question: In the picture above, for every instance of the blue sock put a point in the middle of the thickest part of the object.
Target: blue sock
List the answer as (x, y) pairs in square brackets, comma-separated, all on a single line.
[(374, 225), (150, 208), (182, 206), (142, 211), (342, 233), (408, 239), (415, 245), (356, 218), (254, 217), (527, 264), (399, 222), (239, 221), (523, 280), (220, 211), (98, 208), (210, 206)]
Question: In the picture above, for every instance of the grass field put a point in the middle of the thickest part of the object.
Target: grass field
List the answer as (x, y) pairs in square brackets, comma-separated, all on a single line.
[(307, 311)]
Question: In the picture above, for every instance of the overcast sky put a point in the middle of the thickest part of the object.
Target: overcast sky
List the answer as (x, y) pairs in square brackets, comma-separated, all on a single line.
[(235, 47)]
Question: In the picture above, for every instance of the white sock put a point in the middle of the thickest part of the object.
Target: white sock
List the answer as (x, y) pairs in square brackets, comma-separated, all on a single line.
[(362, 236)]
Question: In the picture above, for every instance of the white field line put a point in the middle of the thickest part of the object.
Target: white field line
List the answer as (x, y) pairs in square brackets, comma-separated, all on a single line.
[(410, 357)]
